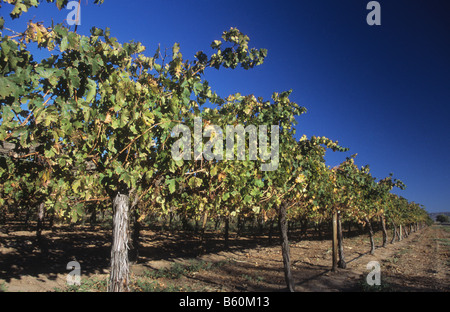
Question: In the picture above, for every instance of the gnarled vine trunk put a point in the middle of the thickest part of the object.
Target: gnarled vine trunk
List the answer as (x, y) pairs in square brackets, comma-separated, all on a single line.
[(118, 281), (383, 227), (334, 243), (304, 227), (40, 222), (135, 237), (341, 263), (394, 231), (372, 242), (285, 248), (227, 229), (203, 234)]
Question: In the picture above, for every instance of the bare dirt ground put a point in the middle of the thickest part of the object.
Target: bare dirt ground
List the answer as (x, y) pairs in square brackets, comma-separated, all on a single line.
[(173, 262)]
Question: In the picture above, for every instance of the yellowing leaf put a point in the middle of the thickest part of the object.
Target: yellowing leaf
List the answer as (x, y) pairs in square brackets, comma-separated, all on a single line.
[(142, 217), (108, 118), (300, 179), (221, 176)]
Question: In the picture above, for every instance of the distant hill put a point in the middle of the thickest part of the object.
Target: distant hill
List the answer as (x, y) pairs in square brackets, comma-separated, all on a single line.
[(433, 215)]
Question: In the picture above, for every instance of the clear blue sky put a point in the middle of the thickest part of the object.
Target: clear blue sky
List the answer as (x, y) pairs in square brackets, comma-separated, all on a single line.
[(383, 91)]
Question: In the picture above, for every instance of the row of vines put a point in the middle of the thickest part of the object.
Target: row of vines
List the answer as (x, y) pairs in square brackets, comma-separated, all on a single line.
[(90, 126)]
